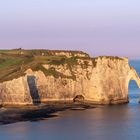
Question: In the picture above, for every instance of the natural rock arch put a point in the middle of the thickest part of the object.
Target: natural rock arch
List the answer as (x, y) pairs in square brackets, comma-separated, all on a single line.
[(133, 76)]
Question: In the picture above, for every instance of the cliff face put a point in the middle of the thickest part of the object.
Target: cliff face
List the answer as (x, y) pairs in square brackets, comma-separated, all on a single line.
[(15, 92), (102, 80)]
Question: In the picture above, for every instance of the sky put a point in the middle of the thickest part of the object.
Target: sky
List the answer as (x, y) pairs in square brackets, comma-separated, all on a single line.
[(98, 27)]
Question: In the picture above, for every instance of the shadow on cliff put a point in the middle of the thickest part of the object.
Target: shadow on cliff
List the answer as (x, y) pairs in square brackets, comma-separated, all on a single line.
[(33, 90)]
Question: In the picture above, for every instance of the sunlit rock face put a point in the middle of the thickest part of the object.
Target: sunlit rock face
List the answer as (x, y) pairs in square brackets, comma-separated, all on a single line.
[(103, 80), (15, 92)]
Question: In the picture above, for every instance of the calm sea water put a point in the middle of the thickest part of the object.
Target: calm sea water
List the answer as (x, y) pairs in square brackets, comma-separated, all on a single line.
[(119, 122)]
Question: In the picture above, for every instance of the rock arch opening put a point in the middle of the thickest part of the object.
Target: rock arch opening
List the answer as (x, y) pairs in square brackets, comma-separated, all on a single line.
[(133, 86), (133, 92)]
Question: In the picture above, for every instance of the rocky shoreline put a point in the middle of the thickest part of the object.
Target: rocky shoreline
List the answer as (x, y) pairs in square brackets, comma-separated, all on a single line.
[(15, 114)]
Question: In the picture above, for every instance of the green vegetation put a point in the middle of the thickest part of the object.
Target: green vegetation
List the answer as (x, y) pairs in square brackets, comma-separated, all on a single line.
[(13, 66), (8, 61), (36, 52), (14, 63)]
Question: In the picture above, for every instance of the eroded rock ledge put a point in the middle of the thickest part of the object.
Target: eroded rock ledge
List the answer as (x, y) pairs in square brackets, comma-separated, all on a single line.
[(101, 80)]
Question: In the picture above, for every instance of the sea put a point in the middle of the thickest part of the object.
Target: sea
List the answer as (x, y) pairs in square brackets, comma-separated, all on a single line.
[(115, 122)]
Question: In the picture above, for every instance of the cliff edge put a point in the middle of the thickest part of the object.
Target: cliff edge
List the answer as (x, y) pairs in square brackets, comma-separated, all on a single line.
[(34, 77)]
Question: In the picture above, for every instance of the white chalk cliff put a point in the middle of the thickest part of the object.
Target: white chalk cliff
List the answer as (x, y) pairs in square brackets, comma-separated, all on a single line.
[(104, 80)]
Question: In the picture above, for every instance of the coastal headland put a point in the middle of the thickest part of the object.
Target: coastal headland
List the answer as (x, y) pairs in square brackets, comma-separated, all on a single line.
[(37, 79)]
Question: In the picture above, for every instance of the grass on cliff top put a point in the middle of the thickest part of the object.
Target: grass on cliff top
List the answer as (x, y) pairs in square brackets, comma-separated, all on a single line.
[(13, 64), (36, 52)]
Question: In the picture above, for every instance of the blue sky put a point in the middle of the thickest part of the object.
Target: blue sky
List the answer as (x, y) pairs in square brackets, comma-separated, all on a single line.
[(99, 27)]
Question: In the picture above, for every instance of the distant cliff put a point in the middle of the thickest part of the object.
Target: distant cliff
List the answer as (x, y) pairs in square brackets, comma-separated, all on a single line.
[(41, 78)]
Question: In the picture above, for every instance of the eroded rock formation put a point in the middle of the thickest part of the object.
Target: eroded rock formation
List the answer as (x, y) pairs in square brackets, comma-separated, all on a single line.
[(103, 80)]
